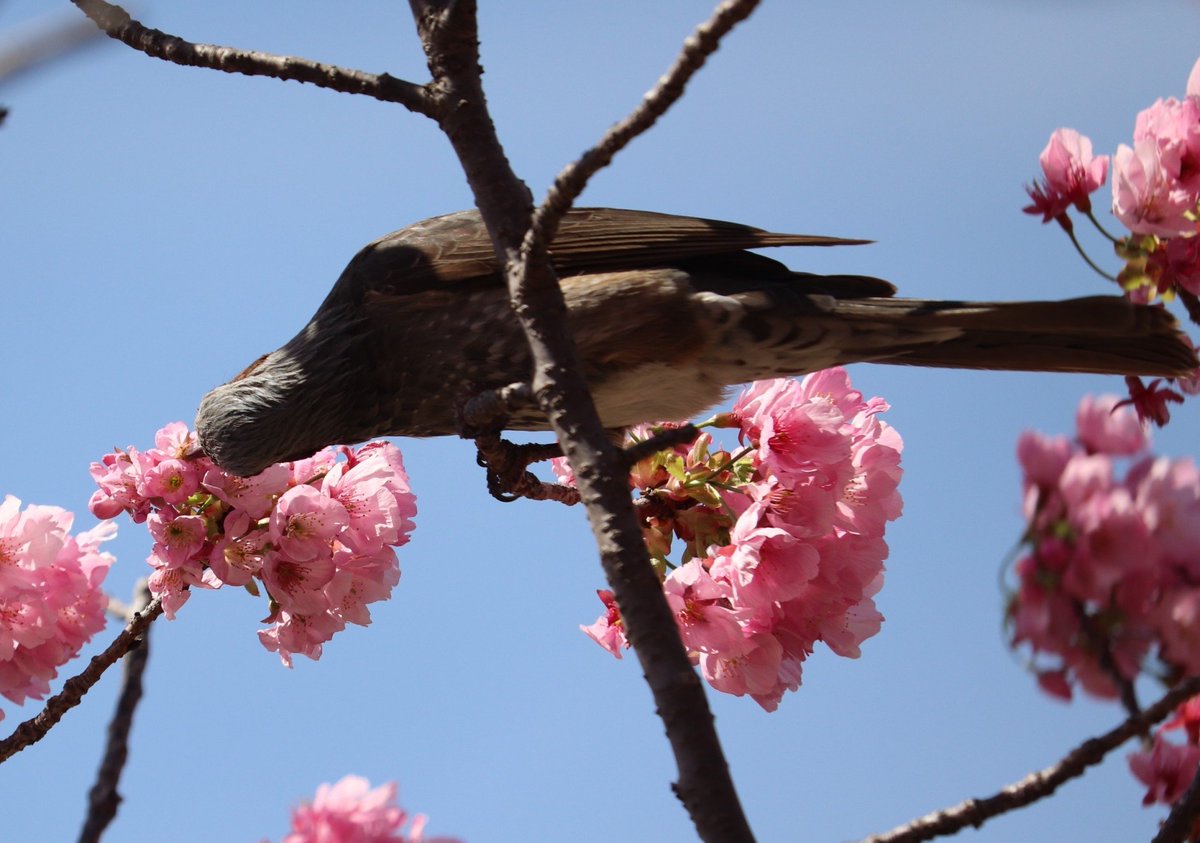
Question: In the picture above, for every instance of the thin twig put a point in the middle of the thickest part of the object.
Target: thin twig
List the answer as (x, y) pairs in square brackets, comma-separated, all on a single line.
[(1039, 785), (34, 729), (570, 182), (117, 24), (1101, 644), (104, 797), (1087, 259)]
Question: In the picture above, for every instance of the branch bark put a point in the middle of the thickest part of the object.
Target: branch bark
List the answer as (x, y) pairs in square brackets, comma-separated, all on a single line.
[(450, 37), (1039, 785), (104, 798), (74, 689), (117, 23)]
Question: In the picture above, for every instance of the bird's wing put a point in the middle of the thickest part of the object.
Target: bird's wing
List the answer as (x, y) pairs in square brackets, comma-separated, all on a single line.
[(455, 248)]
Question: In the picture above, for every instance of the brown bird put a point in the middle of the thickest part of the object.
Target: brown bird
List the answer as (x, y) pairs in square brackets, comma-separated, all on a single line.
[(667, 312)]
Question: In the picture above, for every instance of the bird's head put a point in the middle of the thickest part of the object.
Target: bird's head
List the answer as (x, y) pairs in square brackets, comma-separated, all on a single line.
[(287, 405)]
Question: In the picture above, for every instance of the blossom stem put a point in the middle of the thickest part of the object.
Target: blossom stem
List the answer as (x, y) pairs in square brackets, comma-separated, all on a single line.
[(1099, 227), (1088, 260), (724, 466)]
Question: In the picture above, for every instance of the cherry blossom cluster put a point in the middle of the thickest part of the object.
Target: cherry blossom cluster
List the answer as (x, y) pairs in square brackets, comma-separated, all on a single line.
[(1156, 196), (350, 811), (51, 603), (1166, 767), (782, 539), (1111, 573), (1155, 191), (318, 534)]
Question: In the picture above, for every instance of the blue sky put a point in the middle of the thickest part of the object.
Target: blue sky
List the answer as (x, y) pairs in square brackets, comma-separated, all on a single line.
[(163, 226)]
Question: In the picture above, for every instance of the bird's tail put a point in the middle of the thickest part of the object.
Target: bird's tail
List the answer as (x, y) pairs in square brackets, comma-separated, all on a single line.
[(1102, 334)]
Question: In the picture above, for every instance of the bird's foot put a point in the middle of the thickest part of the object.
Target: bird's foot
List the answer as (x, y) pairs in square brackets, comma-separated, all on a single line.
[(507, 475), (481, 418)]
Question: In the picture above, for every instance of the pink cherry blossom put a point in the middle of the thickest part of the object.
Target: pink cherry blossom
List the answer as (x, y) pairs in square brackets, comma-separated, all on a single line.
[(372, 509), (1187, 717), (764, 565), (1174, 265), (294, 634), (350, 811), (754, 670), (319, 534), (1147, 198), (359, 581), (1112, 560), (562, 471), (255, 495), (1042, 457), (173, 480), (701, 605), (175, 441), (1072, 173), (298, 585), (1168, 494), (304, 522), (1151, 401), (1166, 770), (1104, 426), (608, 631), (1174, 127), (237, 557), (178, 538), (783, 539), (51, 603)]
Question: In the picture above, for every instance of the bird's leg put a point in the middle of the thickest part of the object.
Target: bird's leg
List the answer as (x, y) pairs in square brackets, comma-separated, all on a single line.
[(507, 477), (488, 409), (482, 417)]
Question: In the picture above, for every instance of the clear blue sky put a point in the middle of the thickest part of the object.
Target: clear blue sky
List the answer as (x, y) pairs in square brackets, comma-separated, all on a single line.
[(163, 226)]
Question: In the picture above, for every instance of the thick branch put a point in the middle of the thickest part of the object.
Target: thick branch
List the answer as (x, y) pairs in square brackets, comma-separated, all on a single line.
[(450, 37), (34, 729), (117, 24), (1039, 785), (105, 798)]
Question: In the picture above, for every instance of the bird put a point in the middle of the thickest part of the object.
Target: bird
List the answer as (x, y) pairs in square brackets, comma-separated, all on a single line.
[(668, 314)]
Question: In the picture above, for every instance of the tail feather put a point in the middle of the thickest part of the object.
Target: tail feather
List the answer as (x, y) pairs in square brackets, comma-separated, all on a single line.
[(1101, 334)]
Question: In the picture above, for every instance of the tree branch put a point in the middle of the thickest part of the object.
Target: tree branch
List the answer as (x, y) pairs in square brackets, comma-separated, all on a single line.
[(1039, 785), (117, 24), (34, 729), (450, 37), (570, 182), (104, 798)]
